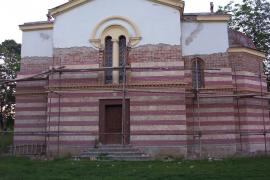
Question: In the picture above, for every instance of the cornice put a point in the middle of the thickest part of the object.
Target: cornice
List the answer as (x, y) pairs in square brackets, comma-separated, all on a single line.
[(67, 6), (36, 26), (178, 4), (207, 17), (215, 17), (247, 50)]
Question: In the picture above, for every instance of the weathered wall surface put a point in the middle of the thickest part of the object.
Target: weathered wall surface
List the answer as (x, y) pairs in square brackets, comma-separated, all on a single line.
[(37, 43), (161, 25), (204, 38), (34, 65), (31, 113), (161, 123), (253, 116), (217, 73), (248, 69), (158, 56), (79, 118), (37, 52), (157, 120), (214, 120)]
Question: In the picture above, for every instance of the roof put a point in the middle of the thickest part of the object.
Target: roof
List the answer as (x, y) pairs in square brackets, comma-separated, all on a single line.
[(238, 39), (178, 4), (39, 25), (239, 42), (206, 17)]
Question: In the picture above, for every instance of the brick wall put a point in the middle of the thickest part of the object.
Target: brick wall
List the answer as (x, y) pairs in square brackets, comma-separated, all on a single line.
[(76, 56), (34, 65), (217, 73), (157, 119), (155, 53), (31, 112)]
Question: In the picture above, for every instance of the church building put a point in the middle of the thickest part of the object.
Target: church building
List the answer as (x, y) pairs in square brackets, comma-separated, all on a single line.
[(142, 74)]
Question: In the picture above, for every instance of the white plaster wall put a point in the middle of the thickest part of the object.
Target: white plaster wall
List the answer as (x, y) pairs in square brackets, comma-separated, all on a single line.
[(37, 43), (157, 23), (204, 38)]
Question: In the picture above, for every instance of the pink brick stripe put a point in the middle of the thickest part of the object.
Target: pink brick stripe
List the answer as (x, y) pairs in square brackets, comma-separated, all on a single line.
[(164, 112), (31, 109), (74, 123), (74, 104), (158, 78), (81, 113), (31, 117), (157, 122), (73, 80), (156, 103)]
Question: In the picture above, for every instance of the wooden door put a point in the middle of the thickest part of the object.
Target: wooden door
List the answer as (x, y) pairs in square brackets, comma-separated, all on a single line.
[(110, 122), (113, 124)]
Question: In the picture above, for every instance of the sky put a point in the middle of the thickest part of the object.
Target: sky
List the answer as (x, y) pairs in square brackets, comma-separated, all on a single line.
[(16, 12)]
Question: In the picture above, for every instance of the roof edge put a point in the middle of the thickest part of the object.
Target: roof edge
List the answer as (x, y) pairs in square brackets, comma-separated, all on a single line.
[(178, 4), (67, 6), (247, 50), (206, 17), (33, 26)]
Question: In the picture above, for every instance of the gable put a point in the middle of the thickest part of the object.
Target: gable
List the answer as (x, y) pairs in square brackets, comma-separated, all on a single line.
[(178, 4), (75, 27)]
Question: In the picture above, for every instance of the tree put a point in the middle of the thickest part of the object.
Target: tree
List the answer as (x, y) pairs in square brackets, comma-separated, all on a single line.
[(9, 66), (252, 17)]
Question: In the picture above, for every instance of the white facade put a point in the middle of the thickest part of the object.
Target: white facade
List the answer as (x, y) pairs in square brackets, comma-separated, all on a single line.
[(204, 38), (157, 23), (37, 43)]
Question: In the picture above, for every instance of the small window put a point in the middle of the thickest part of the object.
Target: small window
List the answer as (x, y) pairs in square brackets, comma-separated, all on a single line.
[(122, 56), (197, 73), (108, 59)]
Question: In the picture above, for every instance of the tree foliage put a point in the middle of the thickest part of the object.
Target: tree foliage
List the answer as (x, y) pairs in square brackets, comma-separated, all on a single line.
[(252, 17), (9, 66)]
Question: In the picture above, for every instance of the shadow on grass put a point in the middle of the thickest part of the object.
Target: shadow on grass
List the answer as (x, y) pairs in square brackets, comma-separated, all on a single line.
[(6, 140)]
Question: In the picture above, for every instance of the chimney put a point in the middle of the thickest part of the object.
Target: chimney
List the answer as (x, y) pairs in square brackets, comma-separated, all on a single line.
[(211, 7)]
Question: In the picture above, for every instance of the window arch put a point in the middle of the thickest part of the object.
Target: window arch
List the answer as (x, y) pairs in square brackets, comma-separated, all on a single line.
[(198, 73), (122, 55), (108, 62), (123, 32), (115, 40)]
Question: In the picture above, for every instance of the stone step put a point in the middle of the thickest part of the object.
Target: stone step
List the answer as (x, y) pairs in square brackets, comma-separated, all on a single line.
[(128, 158), (117, 158), (114, 147), (114, 152)]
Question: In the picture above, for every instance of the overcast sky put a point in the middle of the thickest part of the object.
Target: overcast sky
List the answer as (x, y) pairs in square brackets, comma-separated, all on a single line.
[(15, 12)]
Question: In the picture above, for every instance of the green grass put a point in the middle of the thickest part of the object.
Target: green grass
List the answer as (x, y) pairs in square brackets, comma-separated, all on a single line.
[(5, 141), (233, 169)]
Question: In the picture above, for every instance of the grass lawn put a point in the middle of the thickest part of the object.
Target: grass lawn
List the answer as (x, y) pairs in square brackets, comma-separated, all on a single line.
[(241, 168)]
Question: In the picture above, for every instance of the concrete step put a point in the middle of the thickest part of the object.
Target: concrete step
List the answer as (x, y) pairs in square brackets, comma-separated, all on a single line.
[(130, 158), (111, 153), (114, 152)]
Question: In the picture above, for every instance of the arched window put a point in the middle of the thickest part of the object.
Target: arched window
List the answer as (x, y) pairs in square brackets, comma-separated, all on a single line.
[(122, 55), (197, 73), (108, 59), (115, 39)]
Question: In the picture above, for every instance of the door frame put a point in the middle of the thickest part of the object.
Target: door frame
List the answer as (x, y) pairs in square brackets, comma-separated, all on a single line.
[(102, 119)]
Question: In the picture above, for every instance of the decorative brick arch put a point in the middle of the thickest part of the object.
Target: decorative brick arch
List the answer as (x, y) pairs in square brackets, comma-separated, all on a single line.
[(115, 25)]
